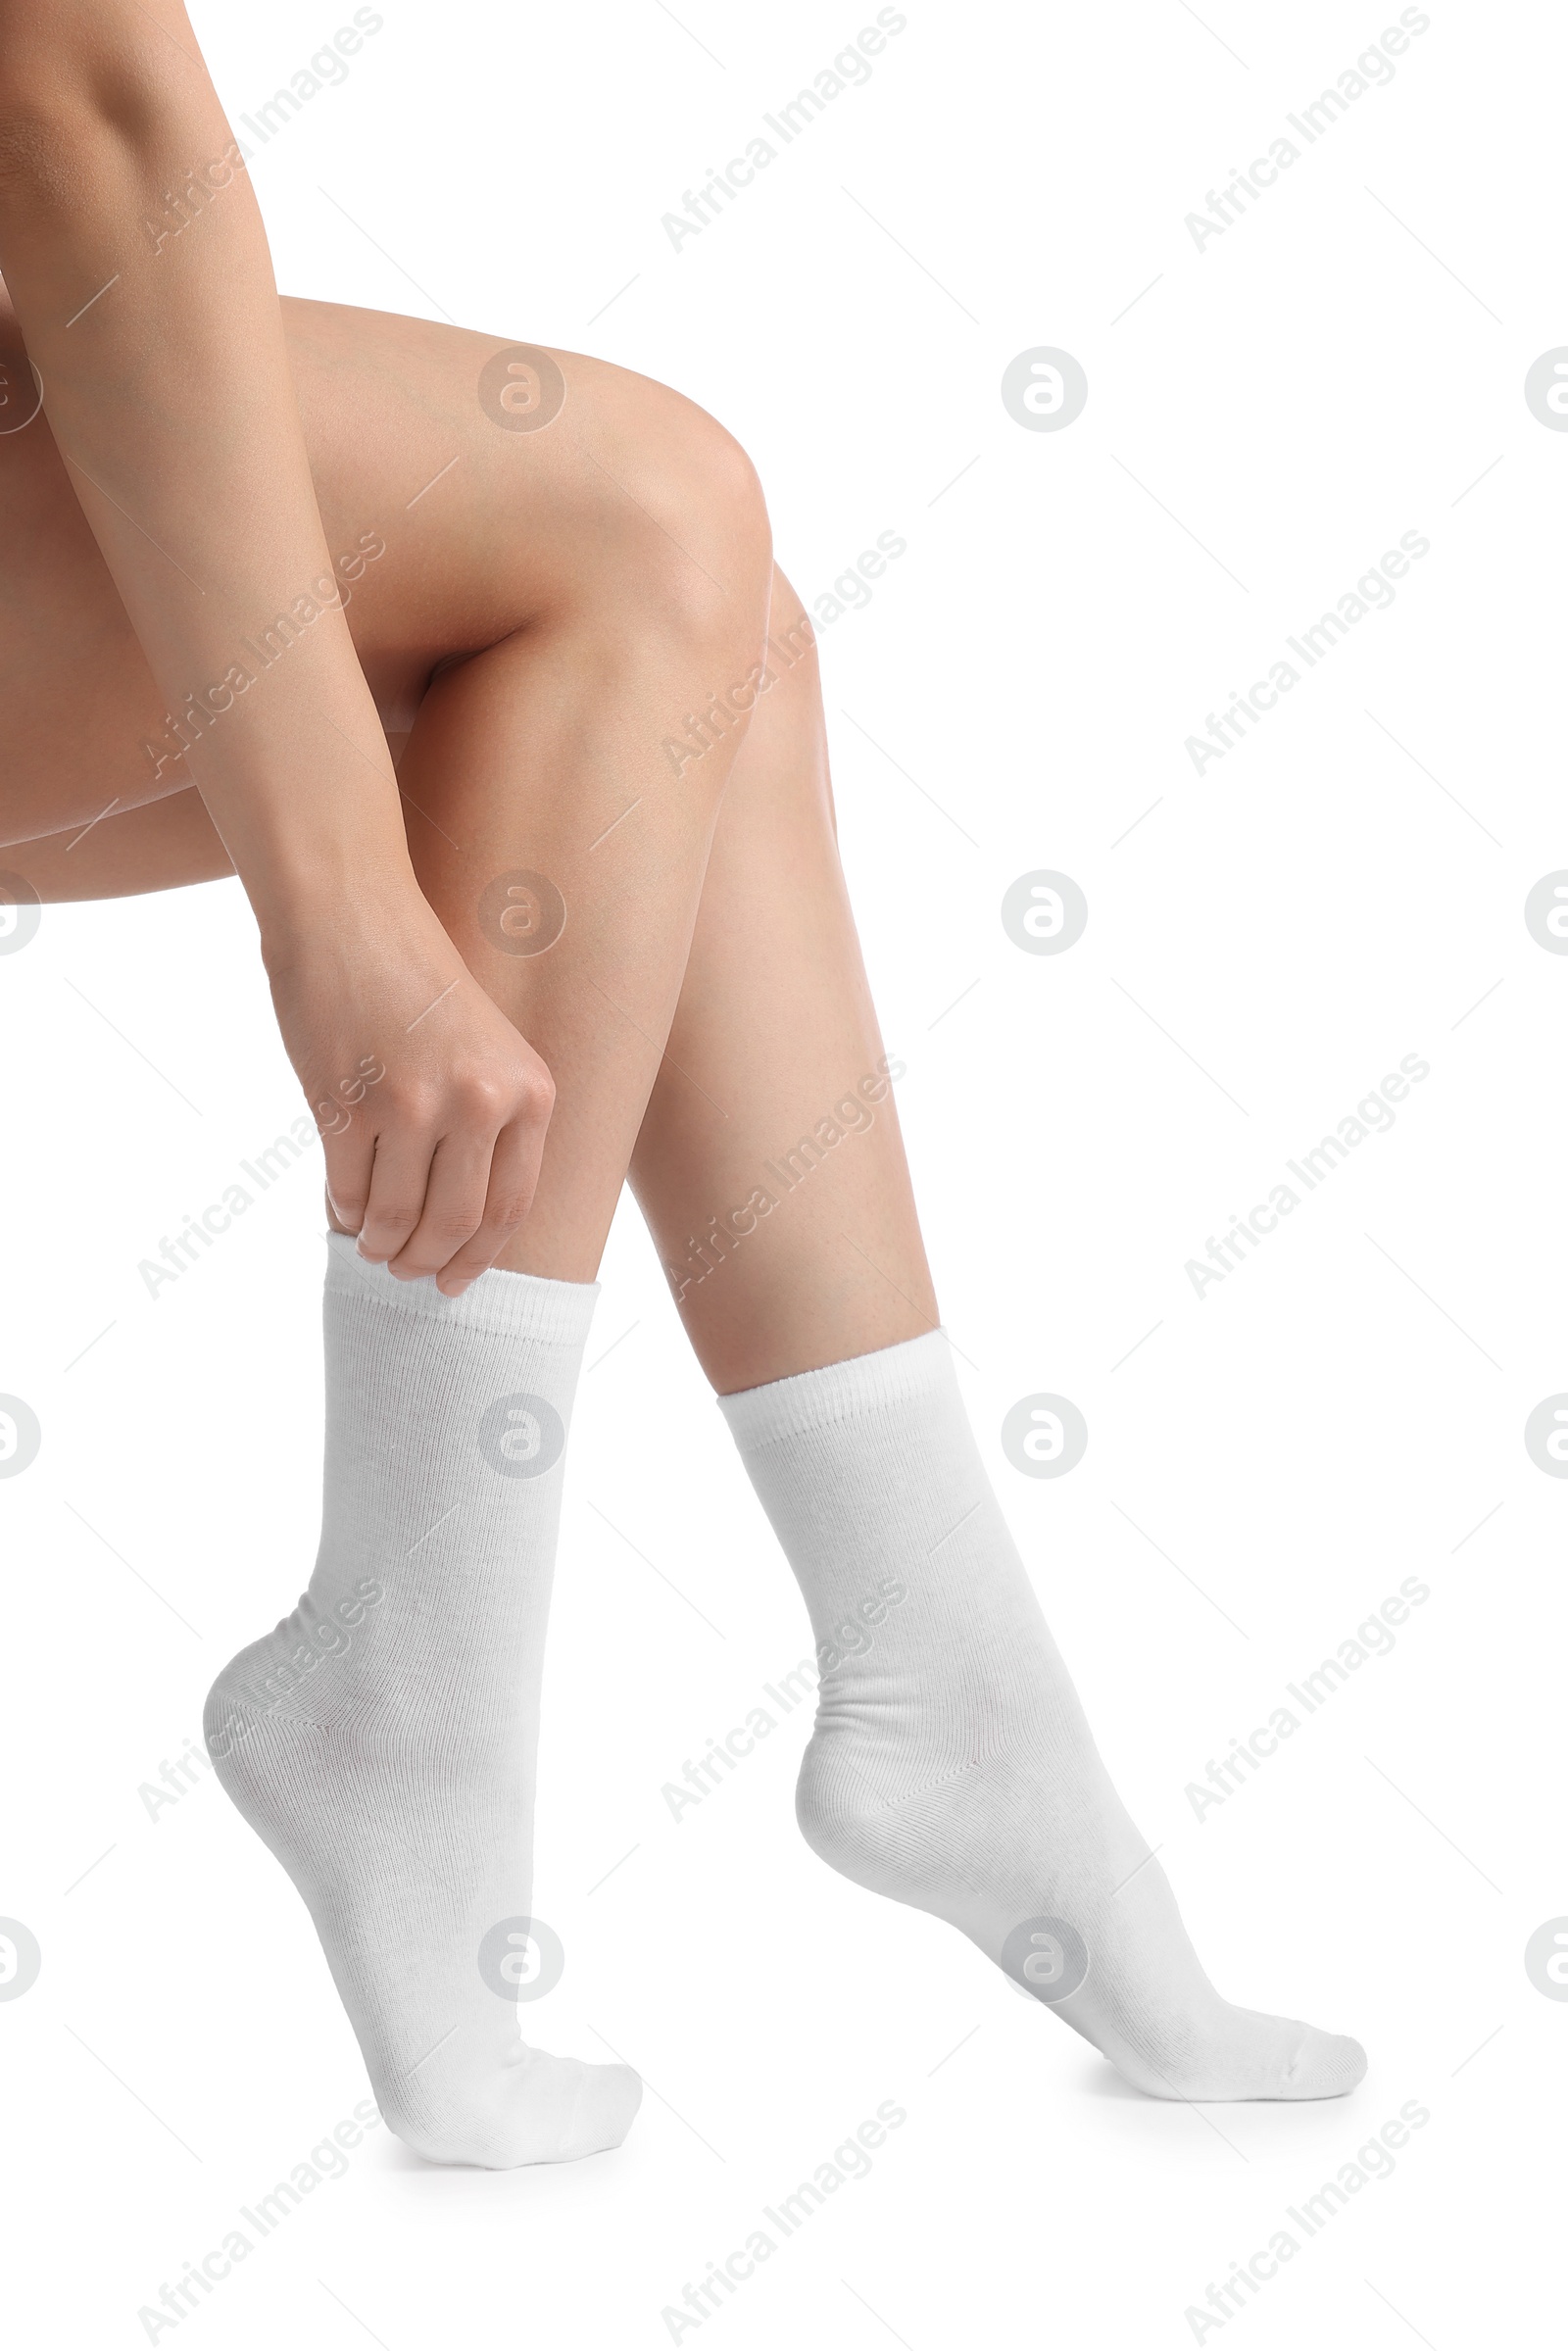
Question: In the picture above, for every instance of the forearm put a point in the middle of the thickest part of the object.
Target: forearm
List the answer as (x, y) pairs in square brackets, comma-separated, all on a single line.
[(166, 386)]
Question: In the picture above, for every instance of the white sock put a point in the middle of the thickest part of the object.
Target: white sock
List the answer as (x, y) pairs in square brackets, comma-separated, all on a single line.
[(951, 1765), (381, 1742)]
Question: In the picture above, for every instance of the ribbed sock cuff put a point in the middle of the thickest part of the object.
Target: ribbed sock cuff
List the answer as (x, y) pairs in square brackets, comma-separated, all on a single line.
[(864, 1387), (514, 1305)]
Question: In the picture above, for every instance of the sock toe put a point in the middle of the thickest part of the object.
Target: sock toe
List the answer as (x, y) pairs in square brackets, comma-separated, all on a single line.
[(568, 2108), (541, 2109), (1323, 2065), (951, 1765), (1242, 2056), (606, 2107)]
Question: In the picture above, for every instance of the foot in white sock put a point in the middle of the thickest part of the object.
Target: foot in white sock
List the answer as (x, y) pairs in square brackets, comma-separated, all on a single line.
[(951, 1765), (381, 1742)]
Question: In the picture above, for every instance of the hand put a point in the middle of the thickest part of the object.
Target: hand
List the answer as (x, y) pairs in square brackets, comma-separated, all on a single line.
[(433, 1109)]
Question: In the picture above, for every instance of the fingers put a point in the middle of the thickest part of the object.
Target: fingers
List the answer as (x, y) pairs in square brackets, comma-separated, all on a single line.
[(447, 1203), (350, 1153), (514, 1176), (399, 1181), (456, 1189)]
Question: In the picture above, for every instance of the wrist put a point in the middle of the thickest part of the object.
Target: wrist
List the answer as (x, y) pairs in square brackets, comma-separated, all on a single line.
[(337, 893)]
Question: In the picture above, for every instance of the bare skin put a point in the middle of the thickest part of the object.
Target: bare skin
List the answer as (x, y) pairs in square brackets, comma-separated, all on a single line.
[(590, 926), (546, 615), (137, 263)]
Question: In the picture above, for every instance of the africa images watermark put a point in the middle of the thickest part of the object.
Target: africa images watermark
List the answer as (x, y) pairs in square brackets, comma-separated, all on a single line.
[(1373, 1114), (176, 1256), (709, 1770), (849, 2160), (850, 592), (331, 1636), (1373, 1637), (850, 70), (850, 1639), (1373, 69), (196, 191), (853, 1114), (704, 728), (1373, 591), (1373, 2160), (327, 2159), (200, 711), (194, 195), (326, 69), (187, 1770)]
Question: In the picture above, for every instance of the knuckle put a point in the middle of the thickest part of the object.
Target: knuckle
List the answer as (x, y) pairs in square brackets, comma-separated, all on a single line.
[(397, 1216), (453, 1226), (483, 1098)]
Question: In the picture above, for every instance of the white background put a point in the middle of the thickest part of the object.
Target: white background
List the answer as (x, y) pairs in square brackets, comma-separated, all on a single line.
[(1343, 364)]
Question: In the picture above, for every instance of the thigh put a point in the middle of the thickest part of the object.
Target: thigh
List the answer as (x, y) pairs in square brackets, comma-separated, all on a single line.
[(451, 530), (79, 709), (163, 846)]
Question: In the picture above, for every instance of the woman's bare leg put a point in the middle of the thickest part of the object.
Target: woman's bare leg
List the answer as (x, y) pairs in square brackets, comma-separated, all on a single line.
[(585, 587), (773, 1046), (951, 1767), (538, 611), (769, 1166)]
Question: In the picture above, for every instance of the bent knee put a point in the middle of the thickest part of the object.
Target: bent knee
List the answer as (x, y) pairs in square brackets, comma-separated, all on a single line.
[(678, 519)]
